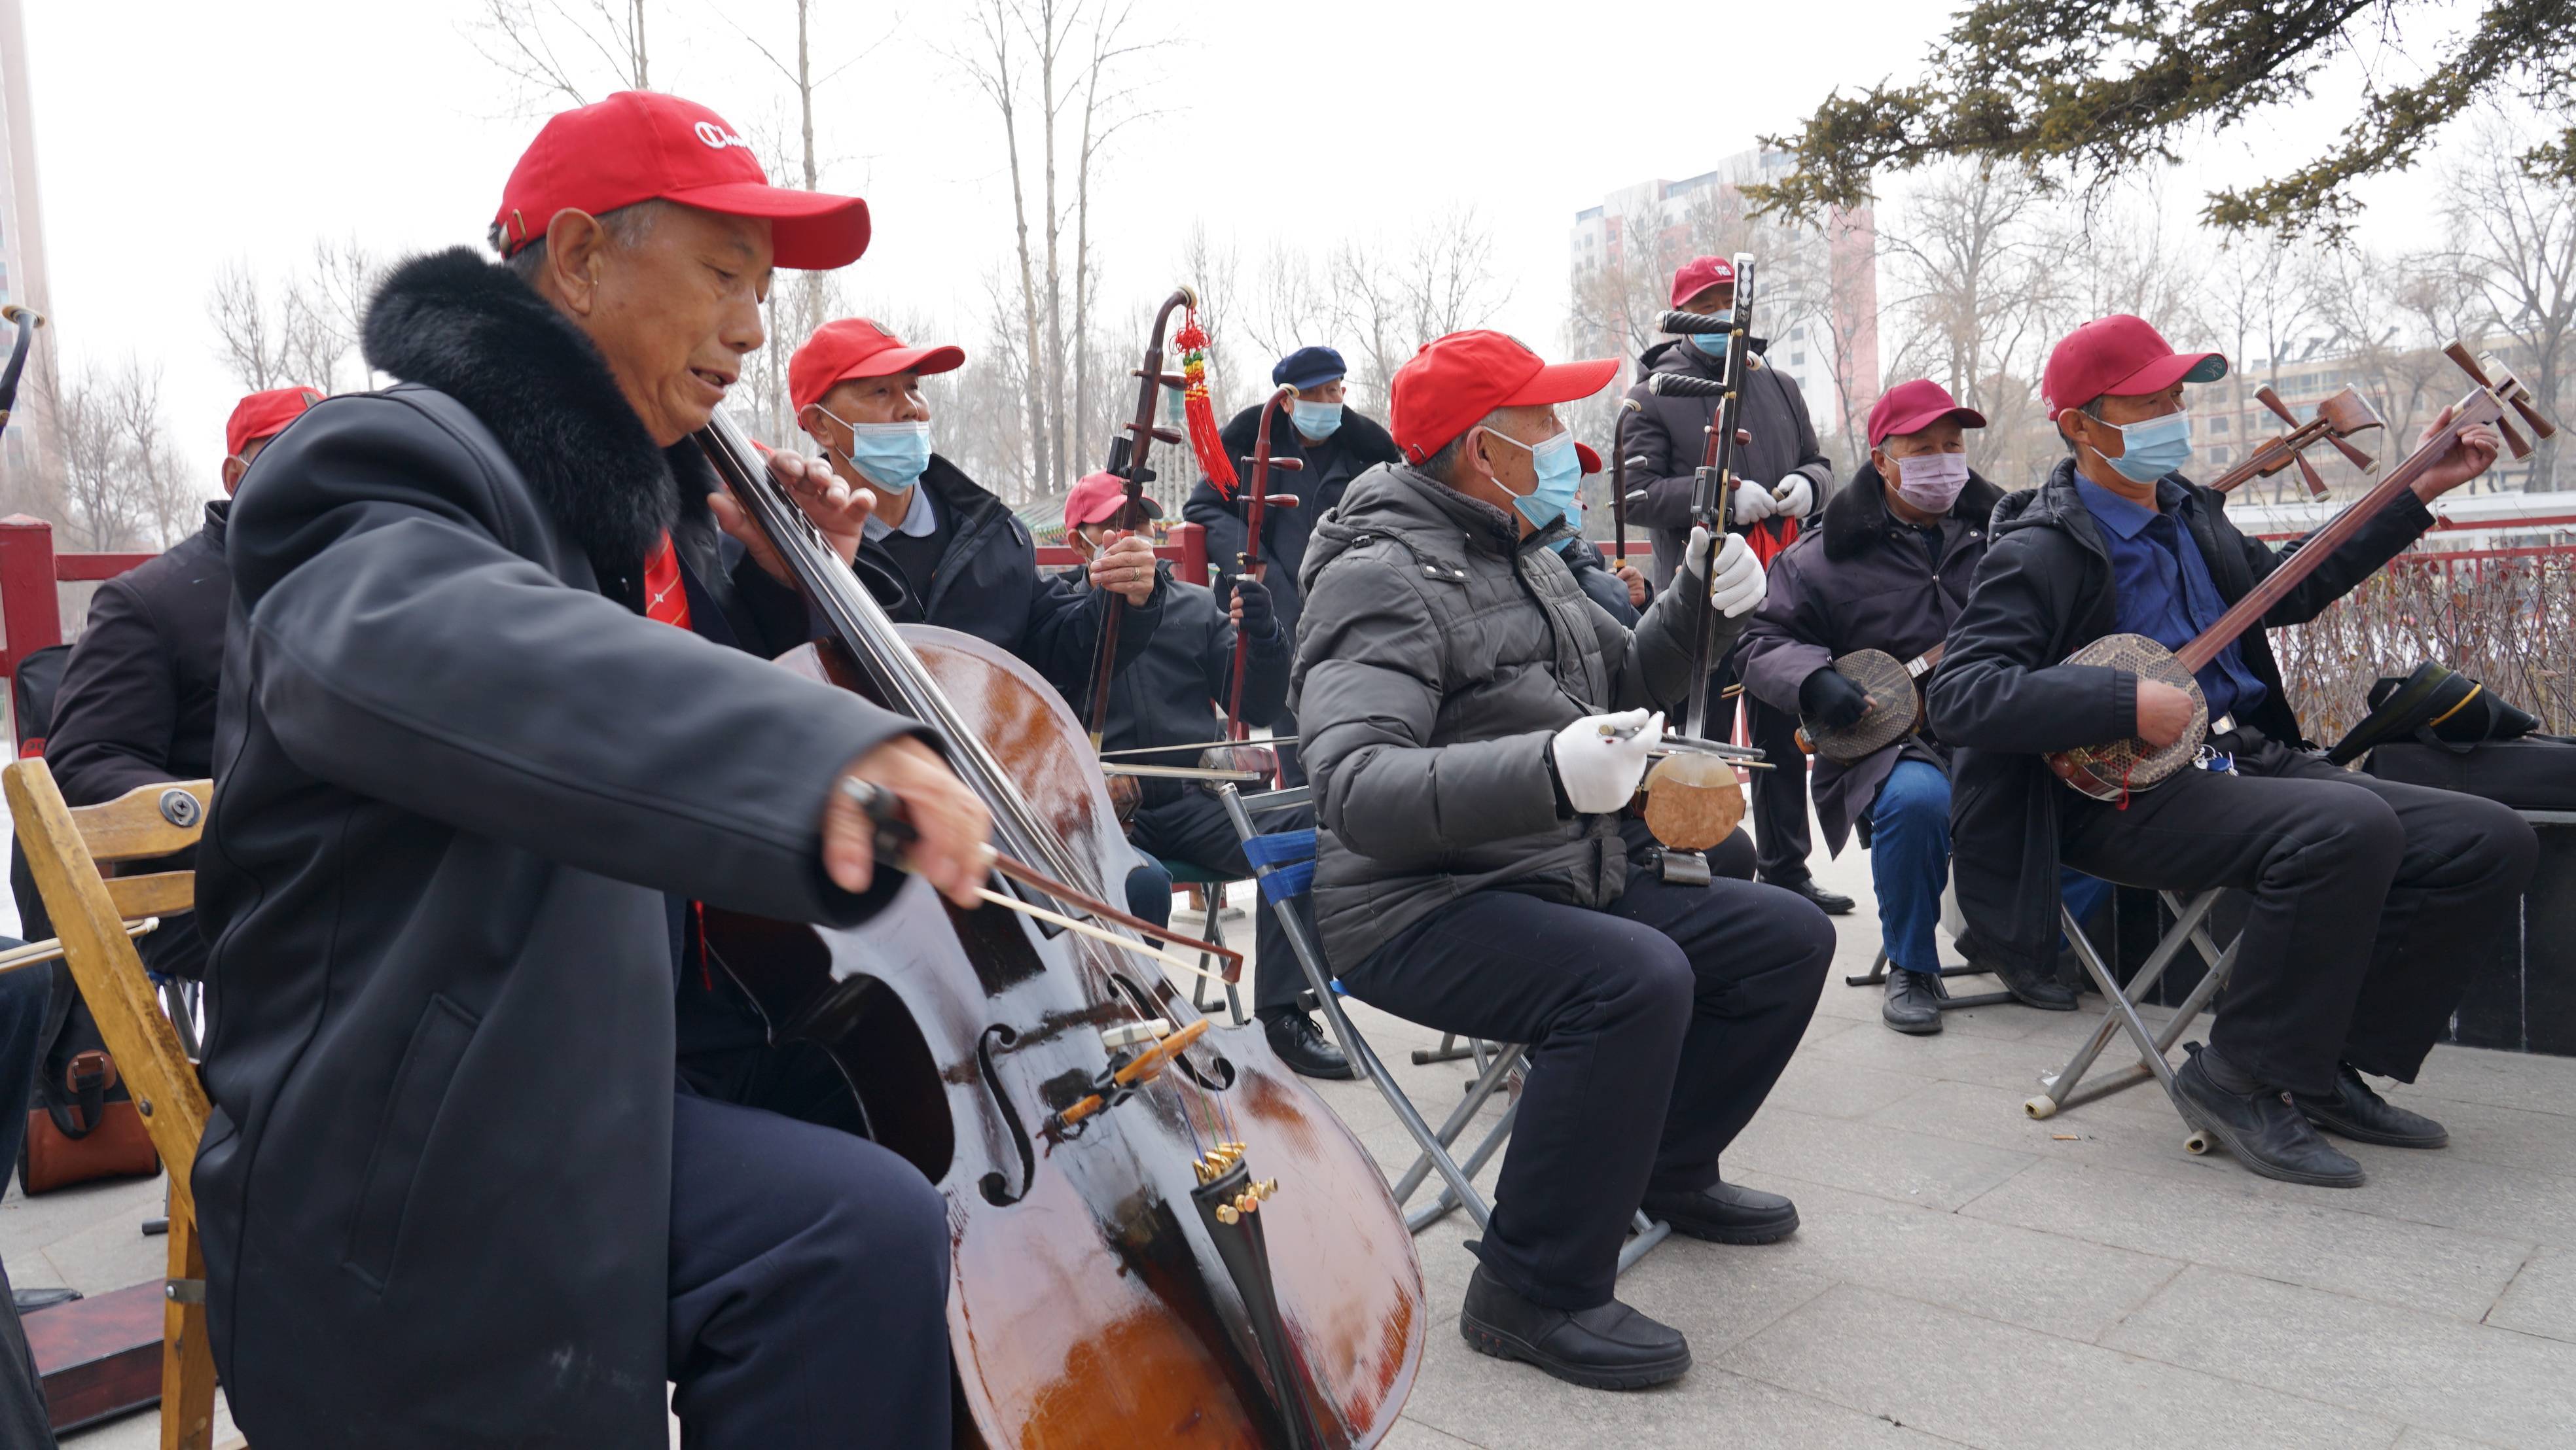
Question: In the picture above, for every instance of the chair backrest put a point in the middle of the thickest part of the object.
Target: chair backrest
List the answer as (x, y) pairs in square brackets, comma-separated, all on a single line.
[(64, 849)]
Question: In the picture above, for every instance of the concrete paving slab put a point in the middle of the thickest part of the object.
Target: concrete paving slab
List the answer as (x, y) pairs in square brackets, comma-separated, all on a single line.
[(110, 1254), (2303, 1241), (2043, 1281), (1414, 1435), (142, 1431), (1868, 1158), (2505, 1079), (2421, 1369), (2542, 1299), (2512, 1137), (2419, 1438), (1891, 1356), (1831, 1089)]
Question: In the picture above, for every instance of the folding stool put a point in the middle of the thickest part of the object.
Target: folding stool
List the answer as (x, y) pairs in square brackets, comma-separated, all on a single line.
[(1876, 976), (2059, 1089), (1284, 865)]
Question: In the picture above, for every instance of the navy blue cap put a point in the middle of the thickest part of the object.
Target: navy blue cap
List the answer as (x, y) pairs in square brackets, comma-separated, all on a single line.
[(1308, 367)]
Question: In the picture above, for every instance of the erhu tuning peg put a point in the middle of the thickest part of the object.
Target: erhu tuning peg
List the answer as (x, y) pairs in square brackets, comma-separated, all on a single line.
[(2514, 442), (1166, 435), (2467, 364), (1282, 500), (2308, 474), (1169, 380), (2355, 456)]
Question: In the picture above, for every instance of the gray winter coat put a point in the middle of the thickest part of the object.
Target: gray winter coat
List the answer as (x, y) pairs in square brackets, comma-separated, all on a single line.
[(1438, 653), (1863, 581)]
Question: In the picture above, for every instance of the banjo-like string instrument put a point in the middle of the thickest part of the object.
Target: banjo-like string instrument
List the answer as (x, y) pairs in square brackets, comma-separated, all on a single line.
[(1895, 703), (2112, 772)]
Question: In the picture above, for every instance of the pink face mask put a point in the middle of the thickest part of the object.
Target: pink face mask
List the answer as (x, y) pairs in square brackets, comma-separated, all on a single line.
[(1932, 481)]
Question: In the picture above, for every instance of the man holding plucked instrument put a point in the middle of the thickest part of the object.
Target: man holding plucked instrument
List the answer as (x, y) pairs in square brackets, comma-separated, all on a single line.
[(1476, 728), (2370, 900), (480, 745), (1889, 571), (1783, 477)]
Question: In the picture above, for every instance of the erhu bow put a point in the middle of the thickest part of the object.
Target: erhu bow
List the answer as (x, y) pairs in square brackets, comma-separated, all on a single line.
[(1693, 798), (2337, 418), (2113, 771)]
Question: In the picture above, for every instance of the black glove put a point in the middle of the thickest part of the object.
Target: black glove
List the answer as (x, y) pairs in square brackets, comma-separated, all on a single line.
[(1829, 698), (1260, 618)]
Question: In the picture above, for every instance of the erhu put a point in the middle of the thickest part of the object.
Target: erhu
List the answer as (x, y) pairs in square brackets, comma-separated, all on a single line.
[(1129, 457), (1256, 502), (2112, 772), (1693, 797)]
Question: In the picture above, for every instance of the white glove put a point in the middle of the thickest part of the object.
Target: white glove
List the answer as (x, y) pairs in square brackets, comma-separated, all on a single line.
[(1739, 583), (1801, 500), (1598, 768), (1753, 502)]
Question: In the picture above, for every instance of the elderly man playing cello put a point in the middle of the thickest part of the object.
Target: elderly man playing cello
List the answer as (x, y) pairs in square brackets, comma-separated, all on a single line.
[(472, 766), (1475, 728)]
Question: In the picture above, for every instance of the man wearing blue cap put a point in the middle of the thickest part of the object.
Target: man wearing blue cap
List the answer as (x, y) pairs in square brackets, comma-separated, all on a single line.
[(1336, 444)]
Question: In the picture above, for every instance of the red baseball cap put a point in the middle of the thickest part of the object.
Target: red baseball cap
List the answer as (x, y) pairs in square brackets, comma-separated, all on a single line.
[(1445, 387), (1098, 497), (645, 146), (1915, 406), (265, 415), (2120, 356), (1698, 275), (856, 347)]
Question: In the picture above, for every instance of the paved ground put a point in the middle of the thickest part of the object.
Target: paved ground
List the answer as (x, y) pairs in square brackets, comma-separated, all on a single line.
[(1968, 1276)]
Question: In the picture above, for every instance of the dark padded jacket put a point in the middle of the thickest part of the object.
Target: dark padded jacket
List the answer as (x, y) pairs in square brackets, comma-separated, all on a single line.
[(1175, 692), (1863, 581), (455, 779), (1439, 653), (137, 703), (1359, 445), (987, 584), (2004, 696), (1669, 433)]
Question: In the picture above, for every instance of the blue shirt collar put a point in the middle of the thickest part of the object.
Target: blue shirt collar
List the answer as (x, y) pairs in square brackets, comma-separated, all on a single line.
[(2120, 515)]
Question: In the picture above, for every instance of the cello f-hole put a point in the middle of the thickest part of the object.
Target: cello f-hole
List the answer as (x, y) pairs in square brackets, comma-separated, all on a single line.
[(998, 1191)]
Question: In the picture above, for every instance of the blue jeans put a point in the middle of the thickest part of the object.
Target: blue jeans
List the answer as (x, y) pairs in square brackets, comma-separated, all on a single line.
[(1909, 863)]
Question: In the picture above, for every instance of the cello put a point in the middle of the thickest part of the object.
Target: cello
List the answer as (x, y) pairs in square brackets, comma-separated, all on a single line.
[(1161, 1237)]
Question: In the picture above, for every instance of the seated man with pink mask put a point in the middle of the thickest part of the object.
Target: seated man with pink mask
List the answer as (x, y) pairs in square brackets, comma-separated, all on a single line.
[(1889, 571)]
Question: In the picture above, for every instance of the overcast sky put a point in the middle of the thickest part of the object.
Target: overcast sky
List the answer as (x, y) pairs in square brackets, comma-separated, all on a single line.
[(174, 137)]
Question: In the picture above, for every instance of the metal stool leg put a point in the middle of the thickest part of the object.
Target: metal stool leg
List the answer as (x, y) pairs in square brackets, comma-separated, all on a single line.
[(2059, 1089)]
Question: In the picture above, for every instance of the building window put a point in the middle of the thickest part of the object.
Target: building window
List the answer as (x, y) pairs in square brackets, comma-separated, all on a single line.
[(2221, 455), (2218, 424)]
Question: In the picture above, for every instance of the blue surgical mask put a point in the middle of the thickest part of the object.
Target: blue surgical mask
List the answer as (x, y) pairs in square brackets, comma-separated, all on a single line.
[(1315, 420), (1714, 343), (892, 455), (2154, 448), (1560, 473), (1574, 517)]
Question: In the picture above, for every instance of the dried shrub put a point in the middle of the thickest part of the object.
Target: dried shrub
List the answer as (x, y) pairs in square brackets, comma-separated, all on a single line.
[(2505, 617)]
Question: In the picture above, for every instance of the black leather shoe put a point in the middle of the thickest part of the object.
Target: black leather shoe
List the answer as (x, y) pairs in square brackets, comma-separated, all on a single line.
[(2038, 987), (1913, 1004), (1302, 1045), (2264, 1129), (28, 1301), (1612, 1347), (1726, 1213), (1824, 901), (2364, 1116)]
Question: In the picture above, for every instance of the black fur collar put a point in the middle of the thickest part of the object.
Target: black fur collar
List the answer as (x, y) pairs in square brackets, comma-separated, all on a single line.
[(471, 329), (1856, 516)]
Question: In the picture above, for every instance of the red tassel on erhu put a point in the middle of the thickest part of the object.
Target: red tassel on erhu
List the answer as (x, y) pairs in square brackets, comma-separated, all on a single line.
[(1201, 409)]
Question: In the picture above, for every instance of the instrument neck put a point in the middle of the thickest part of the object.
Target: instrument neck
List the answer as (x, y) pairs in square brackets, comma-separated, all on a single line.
[(2479, 407)]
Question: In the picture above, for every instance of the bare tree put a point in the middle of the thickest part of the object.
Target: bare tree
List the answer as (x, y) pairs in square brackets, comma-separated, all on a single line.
[(572, 50), (2513, 238), (1057, 68), (303, 333), (122, 482)]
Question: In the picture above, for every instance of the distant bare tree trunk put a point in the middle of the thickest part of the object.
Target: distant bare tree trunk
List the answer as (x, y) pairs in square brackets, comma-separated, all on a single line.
[(123, 484), (2513, 236)]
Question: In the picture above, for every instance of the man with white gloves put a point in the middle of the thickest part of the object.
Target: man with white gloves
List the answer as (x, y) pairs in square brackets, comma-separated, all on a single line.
[(1475, 729), (1784, 479)]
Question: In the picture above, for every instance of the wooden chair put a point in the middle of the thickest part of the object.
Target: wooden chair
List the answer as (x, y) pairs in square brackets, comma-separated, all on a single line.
[(95, 916)]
